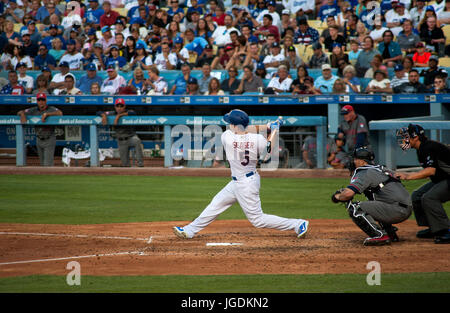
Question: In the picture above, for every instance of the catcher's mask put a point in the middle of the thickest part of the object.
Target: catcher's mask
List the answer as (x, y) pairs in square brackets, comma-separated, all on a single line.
[(404, 135)]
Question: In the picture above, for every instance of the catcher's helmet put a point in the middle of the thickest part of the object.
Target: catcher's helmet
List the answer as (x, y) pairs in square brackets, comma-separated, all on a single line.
[(237, 117), (364, 153)]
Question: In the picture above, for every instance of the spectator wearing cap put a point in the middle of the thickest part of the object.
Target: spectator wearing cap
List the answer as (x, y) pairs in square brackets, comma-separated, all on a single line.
[(107, 39), (23, 79), (43, 59), (109, 16), (91, 76), (353, 128), (280, 83), (57, 50), (72, 56), (183, 53), (29, 48), (35, 35), (44, 11), (207, 56), (330, 8), (412, 86), (325, 82), (334, 38), (305, 34), (300, 7), (380, 83), (267, 28), (13, 12), (13, 87), (113, 82), (174, 8), (365, 56), (53, 33), (318, 58), (390, 49), (407, 39), (271, 10), (395, 18), (421, 57), (166, 60), (400, 76), (221, 35), (57, 82), (179, 86), (272, 61), (45, 134), (114, 58), (417, 12), (432, 71), (134, 11), (433, 36), (93, 14), (141, 58), (292, 57), (192, 87), (125, 135)]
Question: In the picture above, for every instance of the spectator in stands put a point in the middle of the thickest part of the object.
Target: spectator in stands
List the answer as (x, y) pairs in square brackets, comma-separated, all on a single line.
[(35, 35), (93, 14), (25, 80), (20, 57), (319, 58), (13, 12), (394, 20), (339, 87), (353, 84), (206, 57), (166, 60), (53, 33), (418, 12), (305, 34), (72, 56), (69, 87), (440, 85), (44, 11), (266, 46), (262, 72), (114, 58), (272, 61), (156, 84), (407, 63), (365, 57), (13, 87), (375, 64), (205, 79), (130, 48), (421, 57), (389, 49), (95, 89), (9, 35), (353, 128), (331, 22), (47, 73), (334, 38), (377, 32), (413, 86), (362, 33), (400, 77), (379, 84), (114, 81), (107, 39), (174, 8), (298, 82), (432, 71), (214, 88), (337, 55), (133, 12), (231, 84), (300, 8), (329, 9), (433, 36), (109, 16), (141, 58), (45, 134), (271, 10), (249, 82), (292, 57), (253, 56), (407, 39), (57, 50), (138, 82), (57, 83), (72, 17), (41, 85), (280, 83), (221, 35), (85, 81), (325, 82), (192, 87), (350, 26), (180, 85), (98, 58)]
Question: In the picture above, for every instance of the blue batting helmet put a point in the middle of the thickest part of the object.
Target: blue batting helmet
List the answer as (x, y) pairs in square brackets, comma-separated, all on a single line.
[(237, 117)]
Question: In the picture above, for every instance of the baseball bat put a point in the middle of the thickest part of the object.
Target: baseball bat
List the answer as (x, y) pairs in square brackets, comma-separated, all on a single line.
[(271, 137)]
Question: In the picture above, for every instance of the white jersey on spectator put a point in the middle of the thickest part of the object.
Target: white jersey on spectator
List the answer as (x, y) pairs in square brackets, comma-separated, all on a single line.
[(243, 151), (273, 58), (284, 85), (221, 35), (26, 82), (59, 78), (393, 17), (73, 60), (295, 5), (275, 16), (111, 86), (378, 33), (160, 62)]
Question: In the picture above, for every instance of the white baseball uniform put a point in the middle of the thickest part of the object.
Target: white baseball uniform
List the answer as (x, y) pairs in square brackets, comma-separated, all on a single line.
[(242, 153)]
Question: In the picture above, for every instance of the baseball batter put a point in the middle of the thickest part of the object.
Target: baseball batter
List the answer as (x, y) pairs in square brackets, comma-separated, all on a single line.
[(242, 145)]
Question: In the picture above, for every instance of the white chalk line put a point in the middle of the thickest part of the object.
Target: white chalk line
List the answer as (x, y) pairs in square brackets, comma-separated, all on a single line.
[(74, 257), (78, 236)]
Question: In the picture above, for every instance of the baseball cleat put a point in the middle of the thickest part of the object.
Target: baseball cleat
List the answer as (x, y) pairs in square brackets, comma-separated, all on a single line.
[(302, 229), (425, 233), (377, 241), (179, 232)]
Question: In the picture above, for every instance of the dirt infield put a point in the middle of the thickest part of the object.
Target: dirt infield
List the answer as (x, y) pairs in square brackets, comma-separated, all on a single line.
[(331, 246)]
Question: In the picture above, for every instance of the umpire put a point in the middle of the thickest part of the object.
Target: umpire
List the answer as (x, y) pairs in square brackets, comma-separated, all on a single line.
[(389, 202), (125, 135), (427, 201), (45, 134)]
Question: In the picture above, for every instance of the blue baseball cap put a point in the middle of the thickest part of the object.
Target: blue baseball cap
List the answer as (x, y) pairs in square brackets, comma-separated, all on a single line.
[(45, 69), (260, 66), (53, 26), (429, 8), (91, 31), (192, 80), (178, 40), (272, 3), (71, 42), (105, 29), (91, 67), (64, 64), (337, 44), (139, 45), (398, 67)]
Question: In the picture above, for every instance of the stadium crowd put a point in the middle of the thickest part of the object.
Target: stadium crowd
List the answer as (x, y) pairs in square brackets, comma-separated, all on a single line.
[(129, 46)]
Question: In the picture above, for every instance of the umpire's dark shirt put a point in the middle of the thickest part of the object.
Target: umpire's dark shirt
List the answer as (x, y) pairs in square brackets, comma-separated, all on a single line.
[(435, 154)]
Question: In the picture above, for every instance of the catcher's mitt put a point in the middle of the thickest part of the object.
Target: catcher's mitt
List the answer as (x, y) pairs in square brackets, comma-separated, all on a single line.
[(333, 197)]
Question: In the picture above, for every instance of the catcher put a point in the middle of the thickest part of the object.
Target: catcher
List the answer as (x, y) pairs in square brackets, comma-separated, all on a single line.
[(388, 200)]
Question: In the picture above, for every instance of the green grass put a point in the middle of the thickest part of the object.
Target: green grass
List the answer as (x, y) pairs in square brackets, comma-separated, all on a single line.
[(411, 283), (58, 199)]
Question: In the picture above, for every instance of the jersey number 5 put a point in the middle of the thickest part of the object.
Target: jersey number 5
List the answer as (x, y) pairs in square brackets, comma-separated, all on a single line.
[(246, 158)]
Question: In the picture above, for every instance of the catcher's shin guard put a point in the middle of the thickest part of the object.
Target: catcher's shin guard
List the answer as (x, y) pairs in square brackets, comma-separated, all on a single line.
[(364, 221)]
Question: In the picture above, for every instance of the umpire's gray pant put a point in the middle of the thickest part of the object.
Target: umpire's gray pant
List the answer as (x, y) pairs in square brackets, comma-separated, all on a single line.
[(388, 213), (46, 150), (124, 146), (428, 208)]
